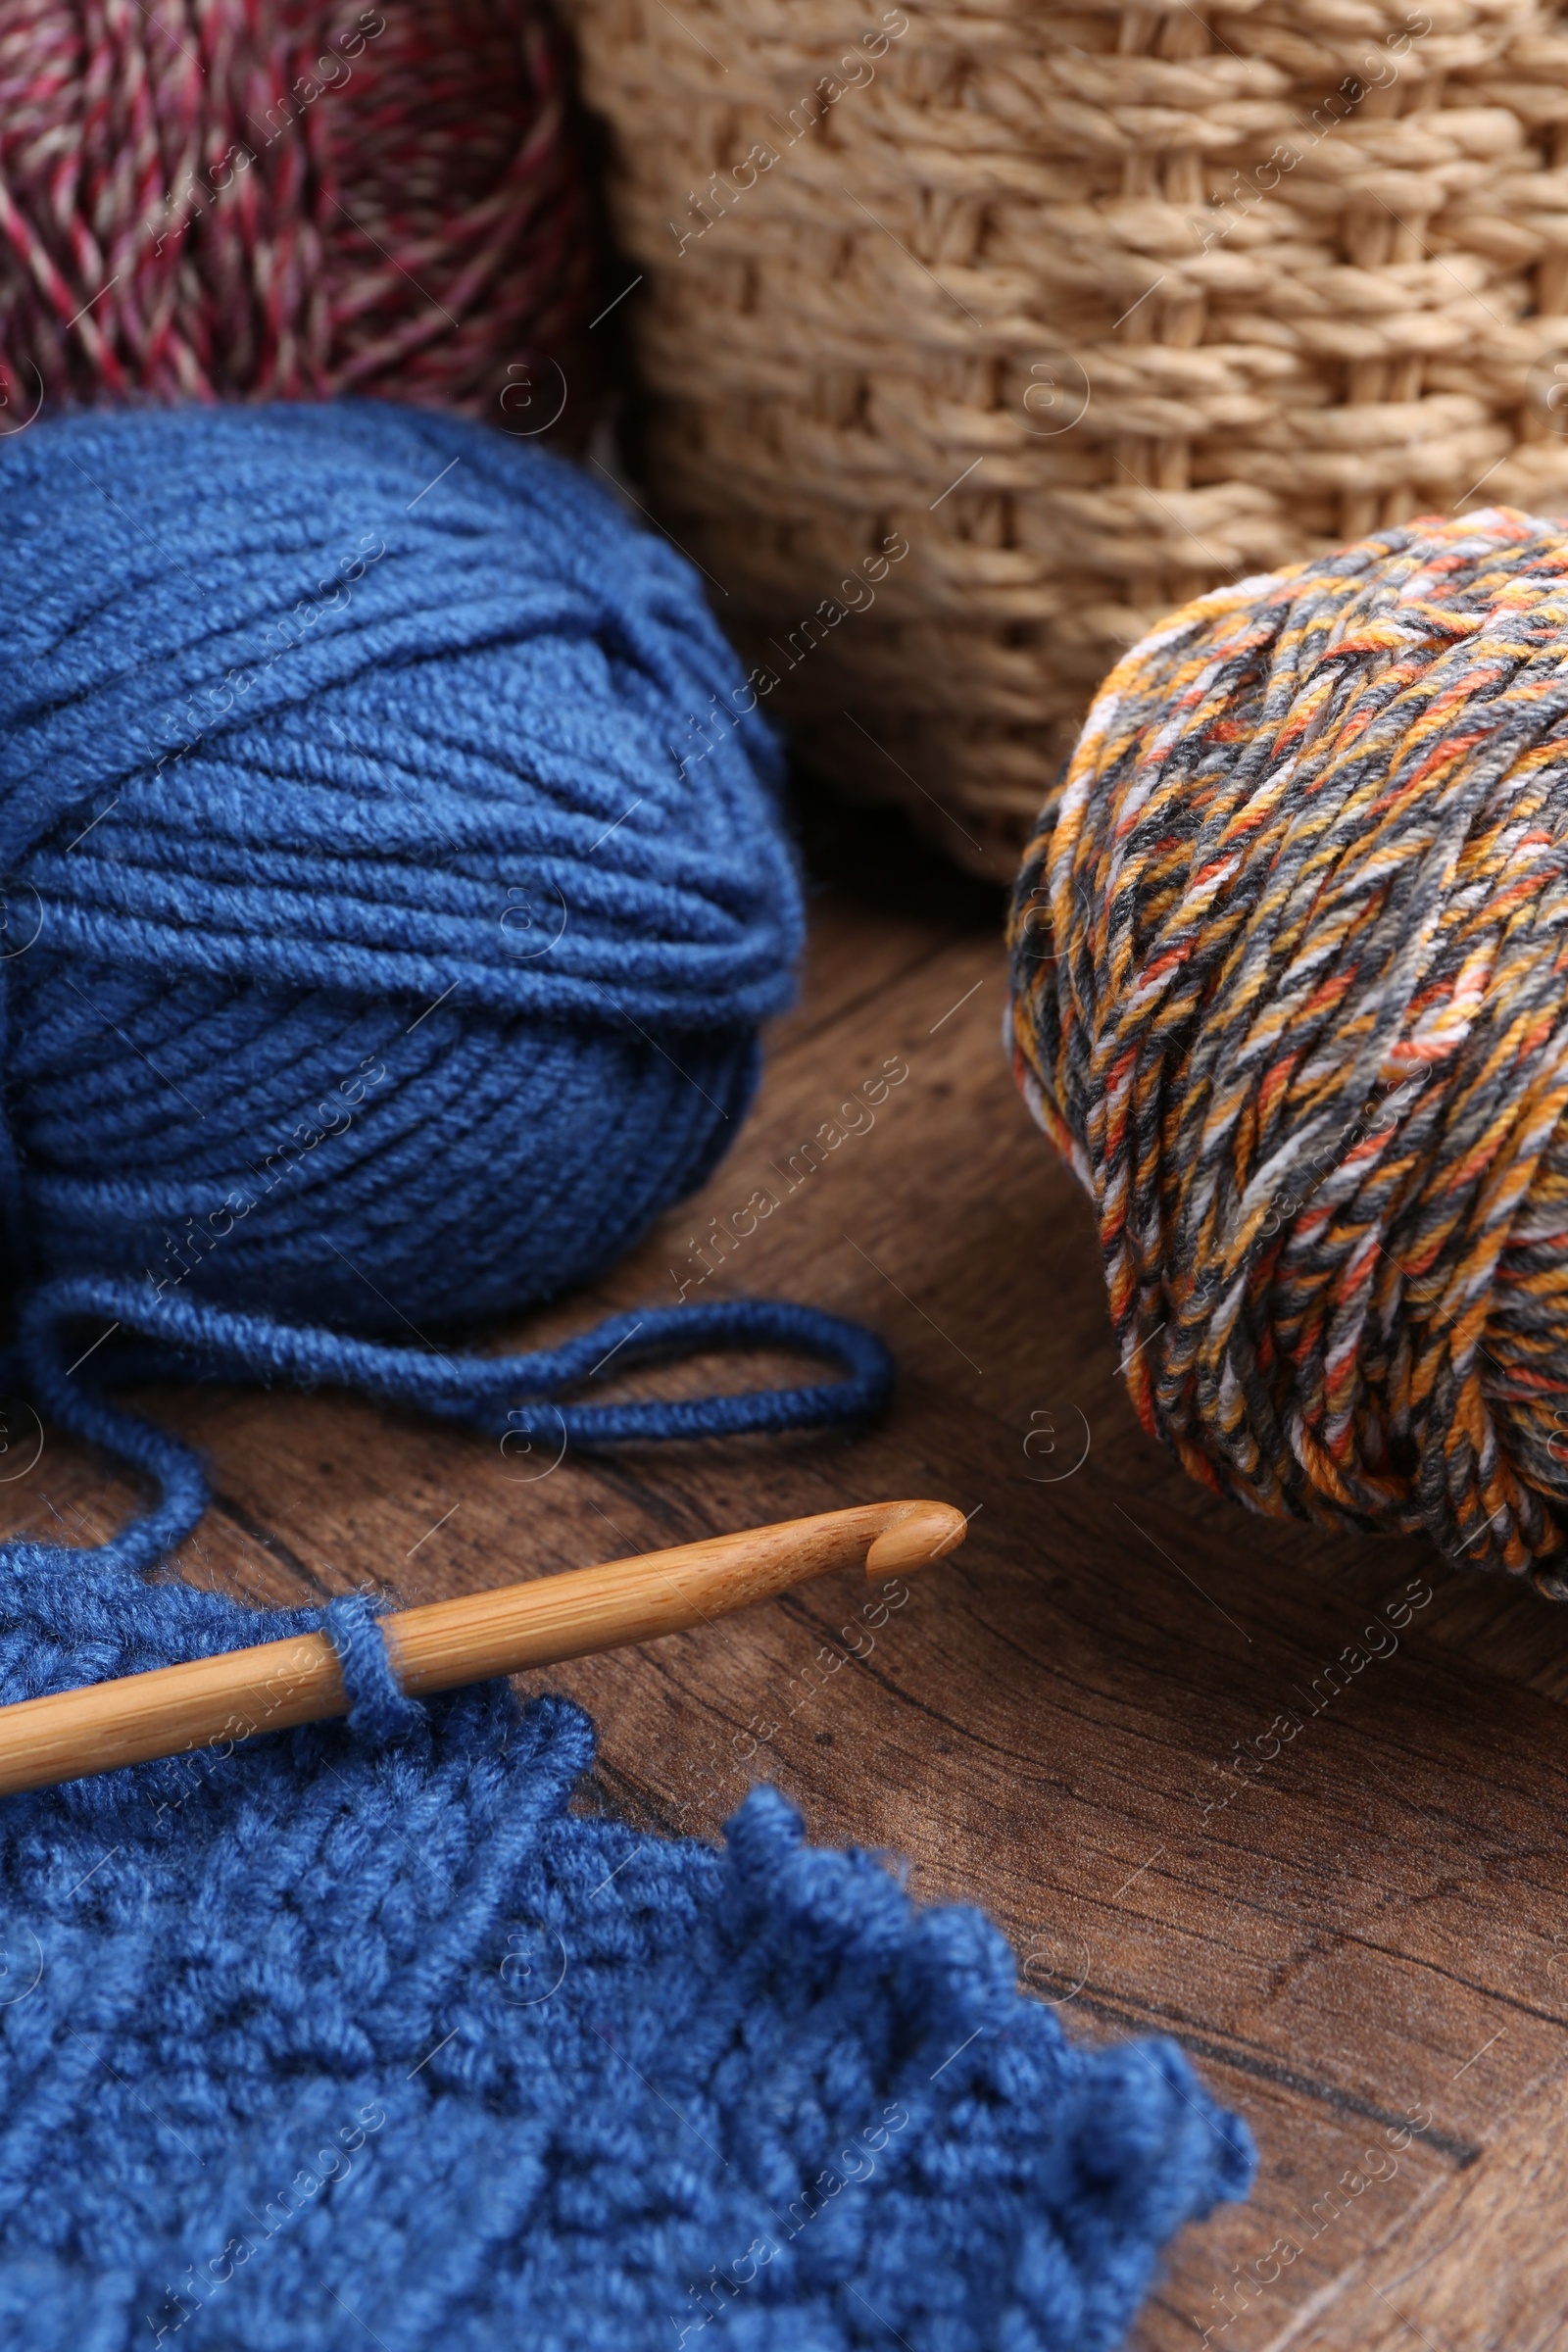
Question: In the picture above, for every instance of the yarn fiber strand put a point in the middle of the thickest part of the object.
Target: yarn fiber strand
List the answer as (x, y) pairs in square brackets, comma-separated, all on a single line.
[(1289, 963)]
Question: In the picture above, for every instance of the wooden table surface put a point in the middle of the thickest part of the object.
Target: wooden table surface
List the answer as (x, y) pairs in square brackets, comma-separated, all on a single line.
[(1359, 1939)]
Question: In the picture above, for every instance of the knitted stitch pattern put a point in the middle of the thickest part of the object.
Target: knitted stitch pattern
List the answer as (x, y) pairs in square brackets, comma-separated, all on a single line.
[(323, 2035)]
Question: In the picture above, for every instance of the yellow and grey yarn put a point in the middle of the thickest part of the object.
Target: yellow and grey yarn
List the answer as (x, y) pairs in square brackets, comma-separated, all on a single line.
[(1289, 960)]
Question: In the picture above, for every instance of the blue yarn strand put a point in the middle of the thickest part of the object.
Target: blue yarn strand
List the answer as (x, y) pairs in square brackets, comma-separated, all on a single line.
[(486, 1393), (526, 1397)]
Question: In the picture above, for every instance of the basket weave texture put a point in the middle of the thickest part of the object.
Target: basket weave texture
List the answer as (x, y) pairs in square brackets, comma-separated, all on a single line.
[(1088, 308)]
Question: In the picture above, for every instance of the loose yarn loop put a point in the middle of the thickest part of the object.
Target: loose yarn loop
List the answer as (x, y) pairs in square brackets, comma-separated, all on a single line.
[(380, 1708), (1288, 955), (524, 1401), (370, 962), (274, 201)]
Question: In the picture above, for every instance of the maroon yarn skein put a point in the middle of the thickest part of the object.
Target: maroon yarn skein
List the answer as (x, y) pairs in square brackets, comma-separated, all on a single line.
[(270, 199)]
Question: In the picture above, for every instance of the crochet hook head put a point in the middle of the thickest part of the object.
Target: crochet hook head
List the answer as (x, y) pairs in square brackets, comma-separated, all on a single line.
[(174, 1710)]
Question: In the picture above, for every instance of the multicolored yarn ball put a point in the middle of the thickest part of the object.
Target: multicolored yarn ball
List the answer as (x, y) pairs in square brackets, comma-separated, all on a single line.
[(281, 199), (371, 963), (1289, 971)]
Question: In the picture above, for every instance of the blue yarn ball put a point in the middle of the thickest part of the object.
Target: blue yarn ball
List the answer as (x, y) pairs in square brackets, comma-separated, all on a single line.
[(393, 876)]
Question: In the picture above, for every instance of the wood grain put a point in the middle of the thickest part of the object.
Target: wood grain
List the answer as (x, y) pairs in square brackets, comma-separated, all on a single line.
[(1358, 1927)]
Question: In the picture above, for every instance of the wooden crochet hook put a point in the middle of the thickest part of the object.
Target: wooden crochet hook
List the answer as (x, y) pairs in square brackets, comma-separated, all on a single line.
[(176, 1710)]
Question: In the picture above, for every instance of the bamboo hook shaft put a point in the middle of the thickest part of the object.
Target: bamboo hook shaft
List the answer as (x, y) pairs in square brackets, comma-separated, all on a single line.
[(176, 1709)]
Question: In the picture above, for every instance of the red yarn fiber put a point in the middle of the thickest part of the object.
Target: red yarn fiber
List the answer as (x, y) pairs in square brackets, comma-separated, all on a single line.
[(266, 199)]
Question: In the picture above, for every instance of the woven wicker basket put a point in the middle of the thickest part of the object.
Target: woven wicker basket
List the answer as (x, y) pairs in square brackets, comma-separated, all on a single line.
[(1089, 307)]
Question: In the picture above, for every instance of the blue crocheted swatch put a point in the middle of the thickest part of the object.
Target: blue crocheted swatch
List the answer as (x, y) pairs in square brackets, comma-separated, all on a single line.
[(333, 2034)]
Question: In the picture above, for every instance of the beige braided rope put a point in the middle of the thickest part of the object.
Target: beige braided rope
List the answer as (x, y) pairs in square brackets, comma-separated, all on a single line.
[(1291, 992), (1043, 290)]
